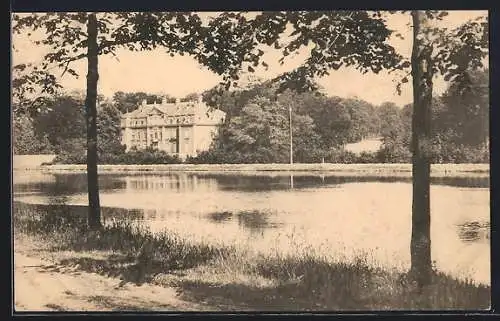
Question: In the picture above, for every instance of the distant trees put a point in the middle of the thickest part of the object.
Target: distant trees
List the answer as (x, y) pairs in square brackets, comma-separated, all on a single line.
[(466, 111), (232, 102), (260, 134), (336, 121), (191, 97), (322, 126), (127, 102), (24, 139), (460, 125), (63, 122), (459, 131), (331, 117), (61, 128), (395, 132)]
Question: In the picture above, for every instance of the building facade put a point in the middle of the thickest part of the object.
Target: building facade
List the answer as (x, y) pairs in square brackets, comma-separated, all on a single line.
[(181, 128)]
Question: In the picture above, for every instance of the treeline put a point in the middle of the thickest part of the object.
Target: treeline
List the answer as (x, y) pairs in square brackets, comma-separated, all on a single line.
[(60, 129), (257, 127), (460, 125)]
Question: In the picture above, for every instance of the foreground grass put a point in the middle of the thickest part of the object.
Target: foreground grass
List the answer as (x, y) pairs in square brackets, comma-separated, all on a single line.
[(234, 279)]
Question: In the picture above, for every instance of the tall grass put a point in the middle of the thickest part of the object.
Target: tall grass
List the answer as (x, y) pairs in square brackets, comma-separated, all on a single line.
[(66, 230), (233, 278)]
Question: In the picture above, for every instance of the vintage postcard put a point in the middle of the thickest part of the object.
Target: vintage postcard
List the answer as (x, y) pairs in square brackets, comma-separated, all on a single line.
[(251, 161)]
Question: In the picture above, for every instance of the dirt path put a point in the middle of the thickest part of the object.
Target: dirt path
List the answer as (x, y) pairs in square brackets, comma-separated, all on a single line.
[(40, 285)]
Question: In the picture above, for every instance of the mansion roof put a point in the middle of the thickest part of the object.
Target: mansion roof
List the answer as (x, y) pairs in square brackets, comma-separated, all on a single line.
[(196, 110)]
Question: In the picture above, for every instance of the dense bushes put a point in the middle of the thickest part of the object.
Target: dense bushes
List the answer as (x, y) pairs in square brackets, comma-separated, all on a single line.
[(333, 156), (460, 153), (447, 153), (146, 156), (134, 156)]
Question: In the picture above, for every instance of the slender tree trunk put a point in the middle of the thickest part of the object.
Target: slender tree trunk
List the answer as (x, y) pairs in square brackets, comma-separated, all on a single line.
[(94, 215), (421, 266)]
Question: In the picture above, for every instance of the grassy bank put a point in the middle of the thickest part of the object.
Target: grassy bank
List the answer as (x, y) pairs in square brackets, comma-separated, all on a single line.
[(229, 278), (405, 170)]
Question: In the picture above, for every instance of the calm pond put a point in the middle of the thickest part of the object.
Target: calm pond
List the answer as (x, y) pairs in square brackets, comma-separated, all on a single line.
[(339, 217)]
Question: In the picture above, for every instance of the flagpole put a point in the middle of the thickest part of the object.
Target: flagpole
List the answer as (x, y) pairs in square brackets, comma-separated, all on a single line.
[(291, 135)]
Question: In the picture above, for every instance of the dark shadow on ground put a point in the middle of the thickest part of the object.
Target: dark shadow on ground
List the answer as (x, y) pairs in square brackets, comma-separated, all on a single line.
[(123, 267), (240, 297), (312, 285), (135, 304)]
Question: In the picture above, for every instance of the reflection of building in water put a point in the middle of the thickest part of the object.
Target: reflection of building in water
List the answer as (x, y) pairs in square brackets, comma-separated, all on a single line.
[(182, 128), (173, 182)]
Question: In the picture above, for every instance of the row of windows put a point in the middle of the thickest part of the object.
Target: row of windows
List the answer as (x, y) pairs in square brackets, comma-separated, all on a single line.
[(155, 136), (158, 134), (183, 120)]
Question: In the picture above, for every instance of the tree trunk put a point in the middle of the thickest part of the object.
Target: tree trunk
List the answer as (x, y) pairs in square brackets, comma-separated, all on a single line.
[(94, 215), (420, 248)]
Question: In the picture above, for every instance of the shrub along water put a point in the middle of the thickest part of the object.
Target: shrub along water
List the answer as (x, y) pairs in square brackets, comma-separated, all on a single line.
[(134, 156), (235, 278)]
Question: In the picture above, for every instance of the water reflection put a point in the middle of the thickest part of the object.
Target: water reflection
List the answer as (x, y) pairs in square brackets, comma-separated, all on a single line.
[(342, 213), (220, 217), (80, 211), (254, 221), (174, 182), (474, 231), (67, 184)]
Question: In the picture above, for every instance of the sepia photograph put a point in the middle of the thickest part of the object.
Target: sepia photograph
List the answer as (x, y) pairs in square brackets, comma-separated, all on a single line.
[(236, 161)]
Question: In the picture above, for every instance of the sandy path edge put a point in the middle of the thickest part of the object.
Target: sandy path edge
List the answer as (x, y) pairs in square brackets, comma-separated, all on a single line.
[(41, 285)]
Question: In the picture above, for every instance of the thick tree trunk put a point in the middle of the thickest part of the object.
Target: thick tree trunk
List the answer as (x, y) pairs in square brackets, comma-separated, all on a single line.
[(421, 266), (94, 215)]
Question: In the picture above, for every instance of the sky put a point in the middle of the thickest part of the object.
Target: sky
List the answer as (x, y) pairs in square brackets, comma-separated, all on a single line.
[(157, 72)]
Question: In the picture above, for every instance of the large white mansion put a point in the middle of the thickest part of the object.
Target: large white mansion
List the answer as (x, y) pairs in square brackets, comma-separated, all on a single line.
[(182, 128)]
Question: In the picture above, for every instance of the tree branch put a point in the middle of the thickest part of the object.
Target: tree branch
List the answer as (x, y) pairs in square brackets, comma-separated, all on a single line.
[(337, 37), (107, 43)]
